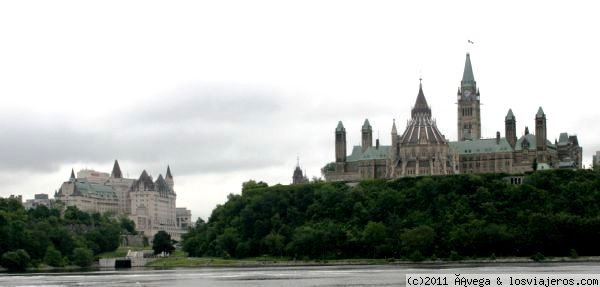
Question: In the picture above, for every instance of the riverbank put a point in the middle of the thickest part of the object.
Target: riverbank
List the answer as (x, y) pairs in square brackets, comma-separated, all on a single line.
[(274, 262)]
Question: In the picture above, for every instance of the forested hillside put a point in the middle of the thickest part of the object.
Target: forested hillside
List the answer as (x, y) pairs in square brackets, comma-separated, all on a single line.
[(554, 213), (42, 236)]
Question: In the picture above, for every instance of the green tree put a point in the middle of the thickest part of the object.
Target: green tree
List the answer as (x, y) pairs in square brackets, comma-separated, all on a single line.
[(252, 184), (15, 260), (374, 236), (83, 257), (419, 239), (162, 242), (275, 243), (128, 225), (53, 257)]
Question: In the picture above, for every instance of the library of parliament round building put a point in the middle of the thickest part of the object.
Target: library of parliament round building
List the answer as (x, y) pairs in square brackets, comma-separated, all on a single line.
[(421, 149)]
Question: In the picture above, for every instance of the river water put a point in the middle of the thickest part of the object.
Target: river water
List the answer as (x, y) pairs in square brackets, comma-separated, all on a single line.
[(386, 275)]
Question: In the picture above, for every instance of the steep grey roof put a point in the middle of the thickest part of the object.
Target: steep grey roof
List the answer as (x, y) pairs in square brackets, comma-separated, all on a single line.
[(169, 175), (421, 129), (468, 79), (510, 115), (370, 153), (421, 106), (540, 113), (116, 171), (481, 146), (298, 172), (366, 125), (394, 130), (72, 174), (161, 186), (145, 182), (340, 127)]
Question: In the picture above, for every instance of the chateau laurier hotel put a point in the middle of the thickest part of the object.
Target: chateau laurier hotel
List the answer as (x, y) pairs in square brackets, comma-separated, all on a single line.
[(423, 150), (150, 204)]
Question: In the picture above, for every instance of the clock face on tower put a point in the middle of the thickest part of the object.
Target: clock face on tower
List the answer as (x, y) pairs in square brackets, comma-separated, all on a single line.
[(467, 94)]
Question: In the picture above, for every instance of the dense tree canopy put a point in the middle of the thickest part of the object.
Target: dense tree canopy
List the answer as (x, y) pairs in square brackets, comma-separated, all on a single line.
[(44, 236), (554, 213)]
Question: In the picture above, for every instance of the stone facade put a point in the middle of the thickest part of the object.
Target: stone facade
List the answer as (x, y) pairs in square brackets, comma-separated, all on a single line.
[(150, 204), (423, 150), (183, 217), (153, 206)]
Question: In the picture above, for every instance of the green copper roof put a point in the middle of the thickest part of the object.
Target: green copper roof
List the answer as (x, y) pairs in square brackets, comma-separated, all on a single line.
[(91, 189), (481, 146), (540, 113), (340, 127), (510, 115), (366, 125), (468, 77), (563, 138), (531, 139), (371, 153)]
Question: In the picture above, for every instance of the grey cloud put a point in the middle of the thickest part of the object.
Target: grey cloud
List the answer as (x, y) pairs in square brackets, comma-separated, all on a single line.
[(197, 129), (213, 104), (40, 145)]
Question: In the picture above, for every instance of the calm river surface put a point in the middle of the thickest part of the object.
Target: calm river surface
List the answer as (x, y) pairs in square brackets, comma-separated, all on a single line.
[(387, 275)]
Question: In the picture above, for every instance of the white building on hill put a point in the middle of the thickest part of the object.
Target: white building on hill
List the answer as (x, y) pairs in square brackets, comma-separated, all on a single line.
[(150, 204)]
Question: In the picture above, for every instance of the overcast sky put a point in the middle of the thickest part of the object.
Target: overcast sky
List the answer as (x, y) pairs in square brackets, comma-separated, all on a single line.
[(226, 91)]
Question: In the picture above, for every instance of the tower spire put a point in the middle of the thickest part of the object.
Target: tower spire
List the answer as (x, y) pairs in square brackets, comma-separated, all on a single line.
[(72, 174), (168, 175), (468, 79), (116, 172), (421, 106)]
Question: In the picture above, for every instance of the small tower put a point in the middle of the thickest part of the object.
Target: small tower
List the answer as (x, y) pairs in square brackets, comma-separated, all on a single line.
[(169, 178), (298, 176), (340, 143), (469, 106), (72, 177), (510, 128), (116, 171), (367, 135), (540, 133), (394, 133)]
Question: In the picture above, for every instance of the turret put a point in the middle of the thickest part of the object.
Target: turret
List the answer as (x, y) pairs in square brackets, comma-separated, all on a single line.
[(394, 133), (340, 143), (510, 128), (367, 135), (116, 171), (72, 177), (540, 132), (169, 178)]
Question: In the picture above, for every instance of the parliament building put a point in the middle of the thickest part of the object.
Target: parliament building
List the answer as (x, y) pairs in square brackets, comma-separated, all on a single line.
[(423, 150)]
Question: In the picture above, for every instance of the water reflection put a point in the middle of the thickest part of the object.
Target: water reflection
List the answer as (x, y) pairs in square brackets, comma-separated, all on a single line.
[(389, 275)]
